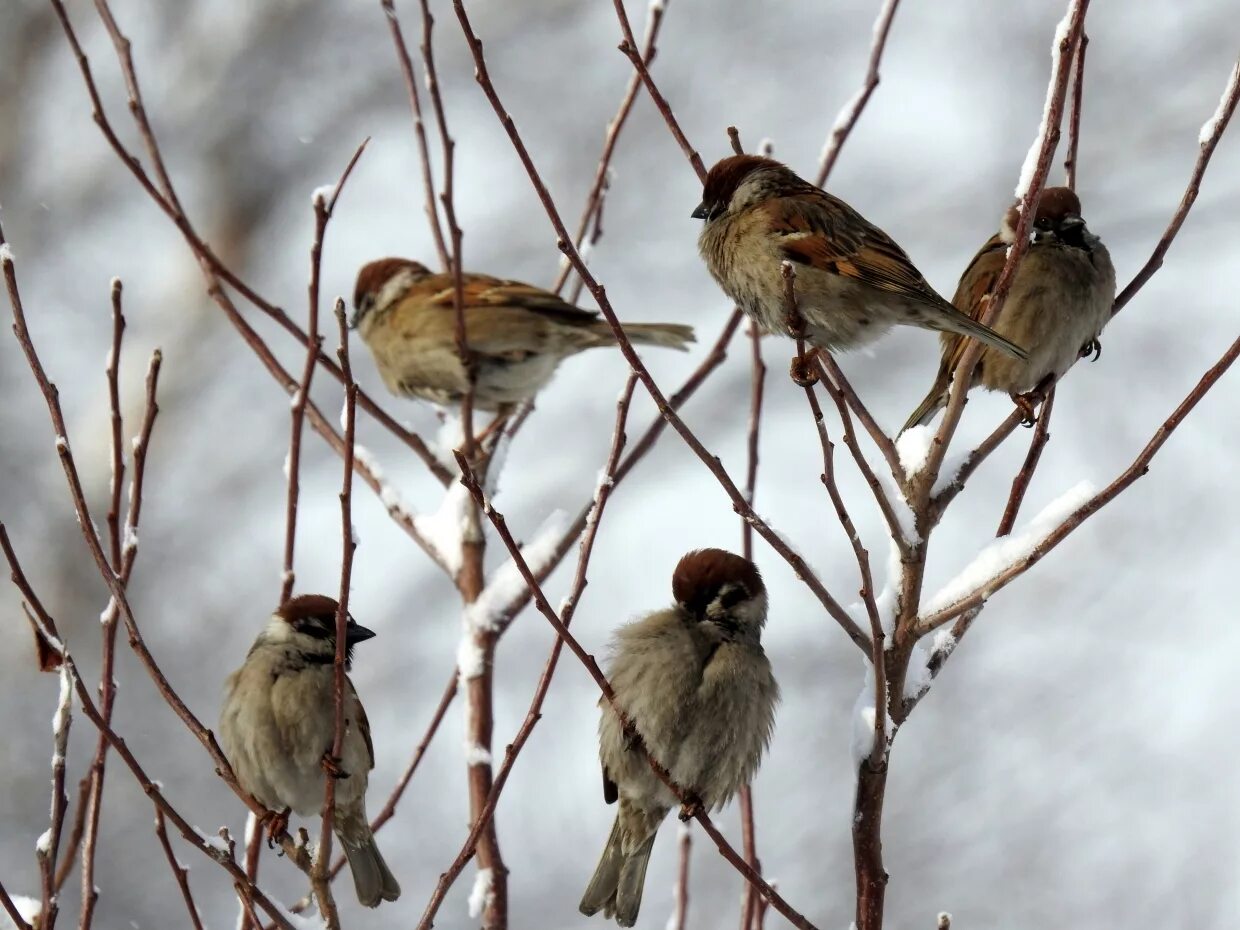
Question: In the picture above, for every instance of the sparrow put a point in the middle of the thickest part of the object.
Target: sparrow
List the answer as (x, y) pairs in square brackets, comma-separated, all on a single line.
[(1059, 302), (277, 727), (853, 282), (517, 333), (698, 689)]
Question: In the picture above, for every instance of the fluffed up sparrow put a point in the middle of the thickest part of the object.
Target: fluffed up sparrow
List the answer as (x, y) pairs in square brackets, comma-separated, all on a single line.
[(853, 282), (278, 723), (698, 688), (1059, 302), (518, 333)]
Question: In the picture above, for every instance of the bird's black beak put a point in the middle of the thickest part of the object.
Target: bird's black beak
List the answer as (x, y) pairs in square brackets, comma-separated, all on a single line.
[(355, 317), (701, 212), (356, 633)]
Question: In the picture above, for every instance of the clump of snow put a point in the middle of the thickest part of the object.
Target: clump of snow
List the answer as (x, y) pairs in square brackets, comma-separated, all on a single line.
[(130, 542), (470, 661), (344, 415), (506, 584), (6, 253), (448, 527), (949, 471), (216, 844), (323, 195), (913, 447), (656, 6), (43, 845), (29, 908), (1211, 126), (60, 719), (109, 613), (480, 894), (886, 600), (944, 921), (294, 400), (62, 443), (1003, 553), (766, 146), (1031, 157), (388, 494), (865, 719), (477, 755)]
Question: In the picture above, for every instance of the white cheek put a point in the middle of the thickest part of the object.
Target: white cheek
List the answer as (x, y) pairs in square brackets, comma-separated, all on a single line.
[(277, 630)]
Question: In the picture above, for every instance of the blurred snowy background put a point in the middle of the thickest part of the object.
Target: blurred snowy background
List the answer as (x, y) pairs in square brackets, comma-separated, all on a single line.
[(1069, 767)]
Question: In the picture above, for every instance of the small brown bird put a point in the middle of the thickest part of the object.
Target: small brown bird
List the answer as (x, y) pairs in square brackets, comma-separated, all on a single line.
[(278, 724), (1059, 302), (853, 282), (698, 688), (518, 333)]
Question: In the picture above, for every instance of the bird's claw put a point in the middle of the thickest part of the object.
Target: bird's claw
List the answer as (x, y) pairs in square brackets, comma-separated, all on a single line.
[(1027, 404), (631, 737), (276, 825), (331, 765), (1092, 350), (691, 807)]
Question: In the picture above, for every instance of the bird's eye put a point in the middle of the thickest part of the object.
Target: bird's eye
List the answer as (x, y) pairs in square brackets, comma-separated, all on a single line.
[(1043, 223), (731, 597)]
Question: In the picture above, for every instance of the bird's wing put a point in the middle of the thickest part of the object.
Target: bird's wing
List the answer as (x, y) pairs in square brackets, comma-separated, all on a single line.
[(823, 232), (483, 291), (973, 295)]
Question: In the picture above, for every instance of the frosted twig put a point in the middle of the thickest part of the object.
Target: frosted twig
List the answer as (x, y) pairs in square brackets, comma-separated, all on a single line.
[(533, 715), (1211, 132), (848, 117), (1074, 120)]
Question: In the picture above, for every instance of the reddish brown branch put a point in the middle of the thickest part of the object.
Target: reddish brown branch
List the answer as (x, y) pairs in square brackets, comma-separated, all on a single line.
[(1211, 132), (323, 208), (848, 117), (419, 131), (470, 480), (1137, 469), (629, 48), (534, 714), (215, 272), (1020, 484), (1074, 120), (179, 872), (712, 462), (47, 626), (594, 200)]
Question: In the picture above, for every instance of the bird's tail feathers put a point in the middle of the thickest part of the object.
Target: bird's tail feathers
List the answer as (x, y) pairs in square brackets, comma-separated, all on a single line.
[(371, 876)]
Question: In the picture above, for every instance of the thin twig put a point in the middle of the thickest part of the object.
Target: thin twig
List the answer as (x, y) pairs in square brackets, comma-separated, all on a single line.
[(470, 480), (1074, 120), (712, 462), (1138, 468), (179, 872), (1020, 484), (629, 48), (323, 207), (680, 916), (215, 272), (594, 200), (848, 117), (419, 131), (1211, 132), (534, 714)]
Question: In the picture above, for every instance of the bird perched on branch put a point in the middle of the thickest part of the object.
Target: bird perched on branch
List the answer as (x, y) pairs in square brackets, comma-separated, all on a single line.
[(853, 282), (1059, 302), (696, 687), (518, 334), (278, 725)]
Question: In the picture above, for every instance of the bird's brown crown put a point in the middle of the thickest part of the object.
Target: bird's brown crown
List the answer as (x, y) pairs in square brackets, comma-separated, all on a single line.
[(702, 573), (1056, 203), (374, 275), (729, 173)]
